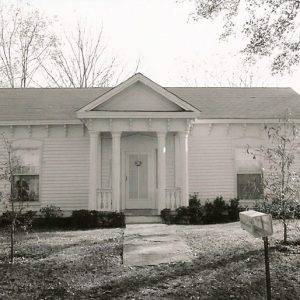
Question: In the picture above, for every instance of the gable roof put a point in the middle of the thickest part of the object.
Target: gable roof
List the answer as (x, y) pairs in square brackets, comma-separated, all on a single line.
[(241, 103), (138, 78), (61, 104)]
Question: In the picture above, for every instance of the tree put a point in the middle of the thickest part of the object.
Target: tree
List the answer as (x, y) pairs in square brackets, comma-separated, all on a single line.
[(25, 43), (12, 200), (281, 179), (81, 60), (270, 27), (223, 73)]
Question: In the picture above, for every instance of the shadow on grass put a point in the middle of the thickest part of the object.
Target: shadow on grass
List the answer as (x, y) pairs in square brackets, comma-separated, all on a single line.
[(164, 273)]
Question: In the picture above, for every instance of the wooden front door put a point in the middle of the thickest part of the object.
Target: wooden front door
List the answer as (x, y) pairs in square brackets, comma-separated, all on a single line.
[(139, 181)]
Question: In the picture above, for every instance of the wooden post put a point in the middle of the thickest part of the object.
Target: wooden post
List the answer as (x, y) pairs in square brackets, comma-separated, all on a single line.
[(183, 140), (93, 180), (268, 280), (116, 168), (161, 172)]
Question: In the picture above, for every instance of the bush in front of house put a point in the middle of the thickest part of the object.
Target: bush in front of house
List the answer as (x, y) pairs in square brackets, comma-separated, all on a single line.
[(217, 211), (51, 216), (88, 219), (196, 209), (24, 220)]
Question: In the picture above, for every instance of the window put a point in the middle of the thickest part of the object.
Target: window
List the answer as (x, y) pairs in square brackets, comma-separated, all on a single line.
[(249, 178), (26, 176), (249, 186)]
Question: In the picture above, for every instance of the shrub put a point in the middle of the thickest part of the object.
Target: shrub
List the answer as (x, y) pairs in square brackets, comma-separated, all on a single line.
[(234, 209), (182, 215), (166, 215), (110, 220), (51, 212), (216, 211), (87, 219), (83, 219), (51, 217), (24, 220), (195, 209)]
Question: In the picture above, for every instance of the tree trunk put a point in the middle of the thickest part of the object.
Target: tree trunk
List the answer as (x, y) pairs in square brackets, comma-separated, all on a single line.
[(12, 242), (284, 232)]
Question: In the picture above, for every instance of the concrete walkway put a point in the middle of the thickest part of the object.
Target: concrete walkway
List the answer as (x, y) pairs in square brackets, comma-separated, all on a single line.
[(153, 244)]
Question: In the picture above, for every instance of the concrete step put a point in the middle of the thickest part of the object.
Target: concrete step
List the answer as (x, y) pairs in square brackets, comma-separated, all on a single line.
[(140, 212), (142, 219)]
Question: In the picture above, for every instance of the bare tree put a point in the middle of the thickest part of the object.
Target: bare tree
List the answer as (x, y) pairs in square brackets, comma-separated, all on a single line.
[(225, 74), (25, 43), (11, 201), (82, 60), (281, 179)]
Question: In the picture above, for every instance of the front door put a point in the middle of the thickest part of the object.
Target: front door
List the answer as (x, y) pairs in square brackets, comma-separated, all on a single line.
[(139, 179)]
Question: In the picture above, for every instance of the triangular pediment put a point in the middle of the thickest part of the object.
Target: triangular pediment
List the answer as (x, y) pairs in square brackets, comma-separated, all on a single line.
[(138, 97), (138, 94)]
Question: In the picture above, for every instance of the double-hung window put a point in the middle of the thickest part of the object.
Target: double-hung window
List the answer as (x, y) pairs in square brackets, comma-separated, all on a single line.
[(26, 174), (249, 176)]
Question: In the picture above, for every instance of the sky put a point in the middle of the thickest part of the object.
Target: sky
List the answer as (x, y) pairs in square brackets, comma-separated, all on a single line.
[(173, 49)]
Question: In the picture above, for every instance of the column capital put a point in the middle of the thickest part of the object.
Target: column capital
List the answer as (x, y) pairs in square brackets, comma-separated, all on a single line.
[(94, 133), (116, 133), (161, 133), (183, 133)]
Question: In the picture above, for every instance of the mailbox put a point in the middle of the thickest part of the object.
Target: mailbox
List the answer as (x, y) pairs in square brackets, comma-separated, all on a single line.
[(256, 223)]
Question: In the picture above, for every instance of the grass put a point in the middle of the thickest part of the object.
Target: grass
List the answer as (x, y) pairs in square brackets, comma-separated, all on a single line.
[(228, 264)]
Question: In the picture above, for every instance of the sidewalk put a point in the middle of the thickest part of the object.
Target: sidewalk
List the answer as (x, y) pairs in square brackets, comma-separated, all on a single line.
[(152, 244)]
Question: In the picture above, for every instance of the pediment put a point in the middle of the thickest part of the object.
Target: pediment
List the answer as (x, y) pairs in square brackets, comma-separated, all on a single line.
[(137, 94), (138, 97)]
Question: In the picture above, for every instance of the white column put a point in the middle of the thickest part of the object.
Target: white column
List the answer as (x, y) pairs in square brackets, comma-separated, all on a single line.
[(93, 180), (177, 162), (116, 169), (161, 172), (183, 140)]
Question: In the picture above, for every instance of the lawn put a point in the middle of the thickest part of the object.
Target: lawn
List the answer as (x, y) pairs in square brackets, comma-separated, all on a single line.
[(228, 264)]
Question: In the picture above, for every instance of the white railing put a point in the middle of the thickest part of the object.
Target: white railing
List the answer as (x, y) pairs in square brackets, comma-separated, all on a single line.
[(173, 198), (104, 200)]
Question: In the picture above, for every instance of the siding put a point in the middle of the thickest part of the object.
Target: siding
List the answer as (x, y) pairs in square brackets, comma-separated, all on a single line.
[(212, 166), (65, 172)]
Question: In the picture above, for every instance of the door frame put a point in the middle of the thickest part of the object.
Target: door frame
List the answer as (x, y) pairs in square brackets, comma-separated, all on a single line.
[(151, 178)]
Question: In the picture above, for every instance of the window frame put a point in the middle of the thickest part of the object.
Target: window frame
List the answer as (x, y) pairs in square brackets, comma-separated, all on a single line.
[(238, 171), (260, 193), (29, 144)]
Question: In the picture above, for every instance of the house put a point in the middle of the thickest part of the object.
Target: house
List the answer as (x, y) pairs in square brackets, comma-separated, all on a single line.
[(138, 146)]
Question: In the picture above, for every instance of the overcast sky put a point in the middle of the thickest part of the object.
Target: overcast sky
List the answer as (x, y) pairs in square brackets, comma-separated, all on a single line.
[(174, 50)]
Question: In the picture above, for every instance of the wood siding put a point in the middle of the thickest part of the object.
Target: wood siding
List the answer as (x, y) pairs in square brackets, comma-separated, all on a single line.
[(212, 162), (65, 172)]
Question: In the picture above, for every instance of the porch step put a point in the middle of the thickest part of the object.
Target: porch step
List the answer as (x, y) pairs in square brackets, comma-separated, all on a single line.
[(142, 219), (140, 212)]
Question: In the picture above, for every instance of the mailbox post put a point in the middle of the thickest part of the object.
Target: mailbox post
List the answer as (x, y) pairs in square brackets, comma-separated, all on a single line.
[(260, 226)]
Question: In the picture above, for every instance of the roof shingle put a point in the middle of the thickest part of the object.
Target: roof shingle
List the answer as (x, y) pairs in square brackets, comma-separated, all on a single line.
[(214, 103)]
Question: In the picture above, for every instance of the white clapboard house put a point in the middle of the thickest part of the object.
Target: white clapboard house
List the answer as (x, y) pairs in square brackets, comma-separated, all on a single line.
[(138, 146)]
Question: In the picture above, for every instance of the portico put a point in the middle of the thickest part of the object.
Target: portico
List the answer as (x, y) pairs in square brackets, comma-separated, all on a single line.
[(138, 147)]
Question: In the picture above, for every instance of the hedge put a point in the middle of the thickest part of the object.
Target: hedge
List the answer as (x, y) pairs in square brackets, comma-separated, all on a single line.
[(79, 219)]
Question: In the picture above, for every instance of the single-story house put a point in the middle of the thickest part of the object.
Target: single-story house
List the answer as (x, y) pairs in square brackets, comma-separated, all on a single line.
[(137, 146)]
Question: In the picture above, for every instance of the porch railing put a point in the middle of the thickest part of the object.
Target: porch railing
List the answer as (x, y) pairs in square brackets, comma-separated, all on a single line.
[(173, 198), (104, 200)]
